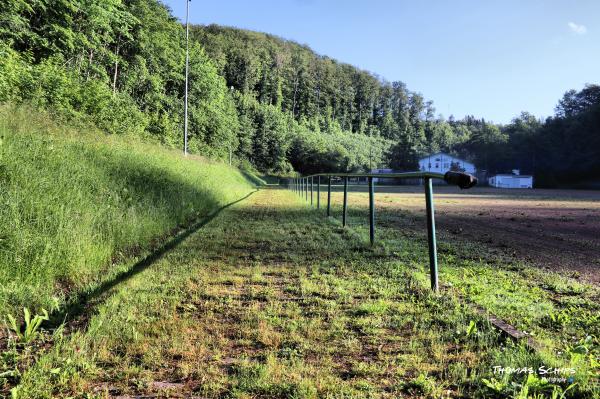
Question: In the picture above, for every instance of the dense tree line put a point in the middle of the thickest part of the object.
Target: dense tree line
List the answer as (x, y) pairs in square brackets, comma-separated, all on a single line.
[(275, 104), (562, 151)]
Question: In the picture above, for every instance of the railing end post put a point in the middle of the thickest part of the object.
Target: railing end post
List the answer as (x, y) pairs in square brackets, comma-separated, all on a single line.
[(431, 239)]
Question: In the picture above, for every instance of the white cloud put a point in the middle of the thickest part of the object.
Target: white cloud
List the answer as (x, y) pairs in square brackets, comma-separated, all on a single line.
[(577, 29)]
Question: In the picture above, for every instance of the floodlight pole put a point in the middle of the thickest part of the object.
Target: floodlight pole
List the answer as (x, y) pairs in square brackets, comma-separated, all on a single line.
[(187, 68)]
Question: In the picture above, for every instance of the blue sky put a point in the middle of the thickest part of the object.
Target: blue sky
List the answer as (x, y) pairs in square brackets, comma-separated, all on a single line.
[(491, 59)]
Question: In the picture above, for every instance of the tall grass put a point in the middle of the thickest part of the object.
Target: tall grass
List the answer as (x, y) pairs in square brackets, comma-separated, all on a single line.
[(75, 202)]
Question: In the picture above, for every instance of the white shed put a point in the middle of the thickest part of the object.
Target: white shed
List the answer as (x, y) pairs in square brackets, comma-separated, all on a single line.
[(442, 163), (511, 181)]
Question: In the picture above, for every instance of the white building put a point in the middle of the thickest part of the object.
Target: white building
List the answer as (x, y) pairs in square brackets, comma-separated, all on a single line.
[(442, 163), (514, 180), (375, 179)]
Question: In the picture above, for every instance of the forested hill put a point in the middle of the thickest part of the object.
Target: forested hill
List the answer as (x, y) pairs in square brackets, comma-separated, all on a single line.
[(276, 105), (299, 81), (325, 95), (332, 97)]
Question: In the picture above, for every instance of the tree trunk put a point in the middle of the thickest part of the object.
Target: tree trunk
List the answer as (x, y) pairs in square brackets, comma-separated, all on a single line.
[(295, 92), (116, 71), (319, 99), (89, 65)]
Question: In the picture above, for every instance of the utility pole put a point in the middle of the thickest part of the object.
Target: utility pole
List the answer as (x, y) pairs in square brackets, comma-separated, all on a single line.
[(187, 68)]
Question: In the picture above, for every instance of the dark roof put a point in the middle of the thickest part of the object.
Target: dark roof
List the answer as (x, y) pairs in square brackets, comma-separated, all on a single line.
[(509, 175), (446, 154)]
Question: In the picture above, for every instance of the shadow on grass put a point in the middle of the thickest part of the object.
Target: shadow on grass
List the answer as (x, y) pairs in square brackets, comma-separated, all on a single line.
[(252, 179), (85, 302)]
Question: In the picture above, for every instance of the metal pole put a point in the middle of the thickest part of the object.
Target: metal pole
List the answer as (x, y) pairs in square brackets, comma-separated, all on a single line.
[(306, 188), (311, 191), (345, 206), (187, 68), (318, 192), (371, 210), (433, 265), (329, 197)]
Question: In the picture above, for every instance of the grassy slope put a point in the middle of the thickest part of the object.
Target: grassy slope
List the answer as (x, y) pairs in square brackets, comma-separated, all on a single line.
[(77, 206), (269, 300)]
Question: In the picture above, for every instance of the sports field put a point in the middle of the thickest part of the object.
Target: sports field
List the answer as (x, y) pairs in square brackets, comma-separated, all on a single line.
[(552, 229)]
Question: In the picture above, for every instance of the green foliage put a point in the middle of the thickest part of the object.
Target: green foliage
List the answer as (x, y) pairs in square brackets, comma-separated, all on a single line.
[(472, 328), (403, 156), (118, 64), (31, 325), (12, 70)]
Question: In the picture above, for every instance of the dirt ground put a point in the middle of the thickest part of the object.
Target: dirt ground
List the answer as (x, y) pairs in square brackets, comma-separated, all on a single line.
[(557, 229)]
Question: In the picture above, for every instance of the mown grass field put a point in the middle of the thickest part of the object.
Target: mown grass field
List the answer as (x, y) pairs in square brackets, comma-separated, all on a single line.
[(270, 299)]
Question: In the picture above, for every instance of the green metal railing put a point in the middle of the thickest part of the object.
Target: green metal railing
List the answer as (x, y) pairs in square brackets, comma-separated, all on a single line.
[(302, 186)]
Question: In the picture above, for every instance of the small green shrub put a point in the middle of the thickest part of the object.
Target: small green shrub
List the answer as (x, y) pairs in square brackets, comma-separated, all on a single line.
[(31, 324)]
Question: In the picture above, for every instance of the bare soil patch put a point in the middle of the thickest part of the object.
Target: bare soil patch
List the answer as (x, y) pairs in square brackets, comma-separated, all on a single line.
[(555, 229)]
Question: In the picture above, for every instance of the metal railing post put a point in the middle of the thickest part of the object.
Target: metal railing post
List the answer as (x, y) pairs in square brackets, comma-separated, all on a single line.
[(311, 190), (371, 210), (345, 206), (306, 188), (329, 196), (433, 265), (318, 192)]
